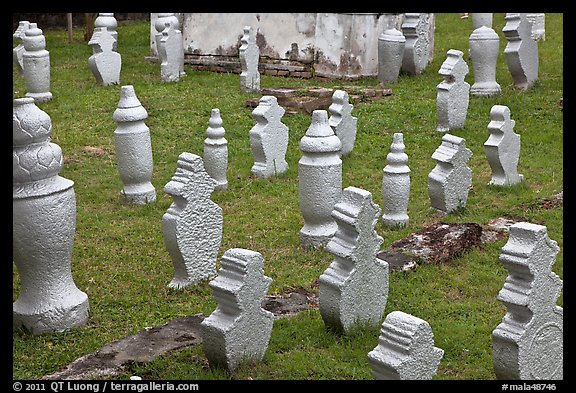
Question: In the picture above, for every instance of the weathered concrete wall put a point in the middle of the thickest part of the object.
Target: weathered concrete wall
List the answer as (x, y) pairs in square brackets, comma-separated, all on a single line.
[(297, 44)]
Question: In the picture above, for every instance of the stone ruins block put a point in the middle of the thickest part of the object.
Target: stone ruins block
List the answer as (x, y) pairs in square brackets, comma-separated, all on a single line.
[(481, 19), (521, 52), (192, 225), (396, 184), (354, 288), (528, 343), (36, 64), (417, 48), (450, 180), (175, 47), (17, 52), (503, 148), (43, 224), (170, 53), (538, 26), (319, 181), (269, 139), (239, 329), (105, 64), (405, 349), (216, 151), (484, 47), (390, 54), (342, 122), (249, 57), (453, 93), (133, 148)]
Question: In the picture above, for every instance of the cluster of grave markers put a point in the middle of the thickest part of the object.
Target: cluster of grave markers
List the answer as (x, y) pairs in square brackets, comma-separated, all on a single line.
[(354, 288)]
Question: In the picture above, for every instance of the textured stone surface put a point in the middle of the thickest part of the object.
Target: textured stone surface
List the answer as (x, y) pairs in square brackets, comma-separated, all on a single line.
[(176, 47), (419, 43), (239, 329), (528, 343), (216, 151), (484, 47), (43, 227), (405, 349), (249, 57), (269, 139), (451, 178), (390, 54), (354, 288), (319, 181), (521, 52), (36, 64), (192, 225), (342, 122), (133, 148), (396, 184), (170, 53), (105, 64), (503, 148), (538, 26), (452, 93), (481, 19), (18, 51)]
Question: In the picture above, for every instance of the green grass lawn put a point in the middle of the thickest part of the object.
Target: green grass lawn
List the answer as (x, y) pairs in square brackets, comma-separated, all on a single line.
[(120, 261)]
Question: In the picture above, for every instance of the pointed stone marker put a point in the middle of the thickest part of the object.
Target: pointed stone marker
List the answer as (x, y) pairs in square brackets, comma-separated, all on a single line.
[(216, 151), (36, 64), (396, 184), (239, 329), (249, 54), (342, 121), (503, 148), (528, 343), (269, 139), (521, 52), (354, 288), (405, 349), (451, 178), (453, 93), (192, 225)]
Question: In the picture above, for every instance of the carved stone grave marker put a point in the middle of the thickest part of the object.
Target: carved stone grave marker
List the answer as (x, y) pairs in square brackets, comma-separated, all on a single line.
[(249, 57), (453, 93), (521, 52), (216, 151), (341, 120), (105, 64), (396, 184)]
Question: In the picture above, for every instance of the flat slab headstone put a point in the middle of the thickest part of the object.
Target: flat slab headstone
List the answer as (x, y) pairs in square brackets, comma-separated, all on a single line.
[(239, 329), (249, 57), (528, 343), (405, 349), (521, 52), (354, 288), (503, 148), (105, 63), (451, 178), (452, 93), (192, 225), (269, 139), (341, 120)]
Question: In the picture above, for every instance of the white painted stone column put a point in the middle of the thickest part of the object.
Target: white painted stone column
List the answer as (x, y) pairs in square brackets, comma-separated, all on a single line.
[(216, 151), (390, 53), (453, 93), (36, 65), (484, 47), (396, 184), (521, 52), (18, 51)]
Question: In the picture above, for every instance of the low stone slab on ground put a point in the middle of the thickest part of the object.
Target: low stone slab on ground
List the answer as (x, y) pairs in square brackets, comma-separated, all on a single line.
[(306, 100)]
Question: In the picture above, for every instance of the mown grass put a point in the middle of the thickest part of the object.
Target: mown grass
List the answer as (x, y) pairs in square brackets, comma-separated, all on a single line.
[(120, 261)]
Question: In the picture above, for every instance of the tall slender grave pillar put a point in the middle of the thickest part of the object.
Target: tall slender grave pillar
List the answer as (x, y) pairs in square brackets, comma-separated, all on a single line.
[(484, 47), (44, 224), (249, 54), (396, 184), (521, 52), (453, 93), (36, 65), (390, 53), (216, 151), (17, 52)]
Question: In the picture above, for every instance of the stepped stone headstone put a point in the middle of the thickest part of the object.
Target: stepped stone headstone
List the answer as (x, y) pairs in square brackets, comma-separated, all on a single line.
[(109, 21), (390, 54), (453, 93), (503, 147), (43, 224), (269, 139), (451, 178), (105, 63), (192, 225), (528, 343), (176, 44), (481, 19), (521, 52), (405, 349), (484, 47), (17, 52), (396, 184), (239, 329), (216, 151), (170, 53), (133, 148), (342, 122), (36, 64), (538, 26), (249, 54), (417, 48), (354, 288), (319, 181)]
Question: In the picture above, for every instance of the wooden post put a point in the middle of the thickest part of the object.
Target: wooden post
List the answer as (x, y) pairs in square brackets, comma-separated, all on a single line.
[(69, 20)]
